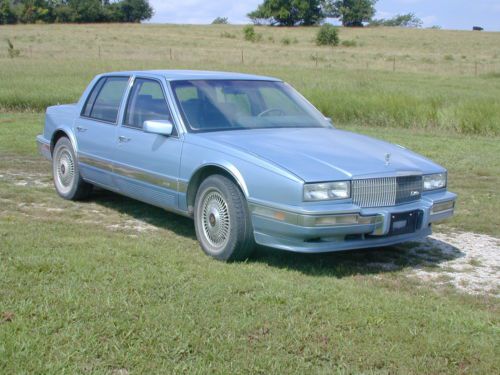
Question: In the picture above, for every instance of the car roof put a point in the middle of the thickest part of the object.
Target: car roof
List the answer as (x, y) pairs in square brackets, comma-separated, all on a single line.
[(175, 75)]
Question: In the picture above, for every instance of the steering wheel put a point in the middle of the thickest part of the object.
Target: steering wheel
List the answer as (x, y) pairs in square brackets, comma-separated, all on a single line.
[(270, 110)]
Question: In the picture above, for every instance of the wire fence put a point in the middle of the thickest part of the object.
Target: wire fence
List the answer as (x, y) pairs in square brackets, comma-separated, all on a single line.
[(271, 57)]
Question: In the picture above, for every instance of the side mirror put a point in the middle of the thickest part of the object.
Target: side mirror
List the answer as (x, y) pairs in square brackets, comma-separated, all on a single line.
[(163, 127), (330, 121)]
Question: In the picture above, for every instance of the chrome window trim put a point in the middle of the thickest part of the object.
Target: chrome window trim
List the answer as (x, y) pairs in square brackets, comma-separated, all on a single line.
[(118, 114), (128, 93), (176, 110)]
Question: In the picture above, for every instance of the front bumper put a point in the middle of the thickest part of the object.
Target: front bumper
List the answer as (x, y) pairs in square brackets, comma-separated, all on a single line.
[(306, 229)]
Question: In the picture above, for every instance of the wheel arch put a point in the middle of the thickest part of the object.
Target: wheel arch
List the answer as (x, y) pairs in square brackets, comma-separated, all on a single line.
[(58, 134), (207, 170)]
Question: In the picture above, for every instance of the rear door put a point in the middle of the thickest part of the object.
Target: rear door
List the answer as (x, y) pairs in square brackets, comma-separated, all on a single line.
[(147, 165), (95, 129)]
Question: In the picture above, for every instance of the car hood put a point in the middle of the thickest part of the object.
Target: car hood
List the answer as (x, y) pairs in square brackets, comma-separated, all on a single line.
[(322, 154)]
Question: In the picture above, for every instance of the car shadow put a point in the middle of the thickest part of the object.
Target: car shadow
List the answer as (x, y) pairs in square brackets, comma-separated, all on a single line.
[(144, 212), (429, 252)]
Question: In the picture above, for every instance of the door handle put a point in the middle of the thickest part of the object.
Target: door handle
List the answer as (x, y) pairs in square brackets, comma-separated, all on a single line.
[(123, 139), (81, 129)]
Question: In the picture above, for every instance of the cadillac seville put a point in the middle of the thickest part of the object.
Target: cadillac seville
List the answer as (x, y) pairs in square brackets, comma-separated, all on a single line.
[(247, 157)]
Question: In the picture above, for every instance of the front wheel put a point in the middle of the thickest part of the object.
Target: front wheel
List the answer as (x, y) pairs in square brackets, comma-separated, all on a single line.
[(222, 221)]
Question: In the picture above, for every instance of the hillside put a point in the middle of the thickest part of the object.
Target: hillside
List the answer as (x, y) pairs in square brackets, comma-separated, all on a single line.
[(390, 77)]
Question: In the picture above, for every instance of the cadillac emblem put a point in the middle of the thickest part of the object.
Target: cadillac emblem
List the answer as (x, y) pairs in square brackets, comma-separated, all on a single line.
[(387, 159)]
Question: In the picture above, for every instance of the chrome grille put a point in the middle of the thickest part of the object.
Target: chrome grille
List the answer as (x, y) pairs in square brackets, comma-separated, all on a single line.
[(386, 191)]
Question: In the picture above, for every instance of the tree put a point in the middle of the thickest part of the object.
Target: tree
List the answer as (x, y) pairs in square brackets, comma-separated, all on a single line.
[(31, 11), (48, 11), (220, 21), (327, 35), (87, 10), (401, 20), (350, 12), (136, 10), (288, 12), (7, 15)]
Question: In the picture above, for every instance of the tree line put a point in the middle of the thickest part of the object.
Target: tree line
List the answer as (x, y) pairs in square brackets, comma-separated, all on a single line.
[(74, 11), (352, 13)]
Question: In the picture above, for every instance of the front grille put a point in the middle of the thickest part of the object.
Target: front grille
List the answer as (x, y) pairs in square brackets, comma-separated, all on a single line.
[(386, 191)]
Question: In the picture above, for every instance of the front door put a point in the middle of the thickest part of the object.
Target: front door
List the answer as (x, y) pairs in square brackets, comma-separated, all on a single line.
[(95, 129), (147, 165)]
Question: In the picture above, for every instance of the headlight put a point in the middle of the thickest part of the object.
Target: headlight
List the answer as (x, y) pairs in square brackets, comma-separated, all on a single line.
[(327, 191), (435, 181)]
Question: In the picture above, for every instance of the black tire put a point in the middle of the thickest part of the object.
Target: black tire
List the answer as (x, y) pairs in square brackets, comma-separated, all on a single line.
[(66, 174), (222, 220)]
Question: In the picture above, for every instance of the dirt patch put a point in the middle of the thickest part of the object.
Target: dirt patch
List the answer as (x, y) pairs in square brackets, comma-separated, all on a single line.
[(135, 225), (27, 179), (471, 262)]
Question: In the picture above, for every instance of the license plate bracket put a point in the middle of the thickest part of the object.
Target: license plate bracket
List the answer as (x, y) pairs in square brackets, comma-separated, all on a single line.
[(405, 222)]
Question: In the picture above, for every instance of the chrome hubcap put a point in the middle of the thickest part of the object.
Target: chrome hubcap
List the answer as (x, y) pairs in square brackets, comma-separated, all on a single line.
[(215, 219), (65, 170)]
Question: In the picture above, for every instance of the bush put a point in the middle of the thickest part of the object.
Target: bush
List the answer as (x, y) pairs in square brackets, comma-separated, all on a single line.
[(12, 51), (286, 41), (220, 21), (328, 35), (225, 34), (250, 35), (349, 43)]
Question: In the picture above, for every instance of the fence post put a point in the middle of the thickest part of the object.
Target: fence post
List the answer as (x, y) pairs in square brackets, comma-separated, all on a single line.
[(316, 59), (99, 51), (170, 53), (242, 57)]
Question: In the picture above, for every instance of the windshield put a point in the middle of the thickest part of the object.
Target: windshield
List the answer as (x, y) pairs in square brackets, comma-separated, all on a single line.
[(211, 105)]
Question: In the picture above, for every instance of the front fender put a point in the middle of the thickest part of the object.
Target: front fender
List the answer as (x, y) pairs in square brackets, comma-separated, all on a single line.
[(258, 181)]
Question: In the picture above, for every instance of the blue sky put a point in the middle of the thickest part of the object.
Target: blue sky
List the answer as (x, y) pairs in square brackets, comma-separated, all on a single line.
[(450, 14)]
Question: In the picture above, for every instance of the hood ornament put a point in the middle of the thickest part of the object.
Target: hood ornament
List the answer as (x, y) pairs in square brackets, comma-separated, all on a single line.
[(387, 159)]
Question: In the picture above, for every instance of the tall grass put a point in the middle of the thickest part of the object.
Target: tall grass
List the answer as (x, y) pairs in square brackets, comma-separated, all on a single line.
[(351, 85)]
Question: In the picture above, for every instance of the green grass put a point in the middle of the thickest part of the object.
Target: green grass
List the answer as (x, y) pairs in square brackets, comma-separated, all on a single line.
[(353, 85), (89, 301), (92, 294)]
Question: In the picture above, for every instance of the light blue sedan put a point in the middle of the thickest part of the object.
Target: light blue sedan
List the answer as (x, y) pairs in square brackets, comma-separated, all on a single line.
[(247, 157)]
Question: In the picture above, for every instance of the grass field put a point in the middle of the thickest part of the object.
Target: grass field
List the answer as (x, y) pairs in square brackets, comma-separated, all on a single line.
[(434, 84), (114, 286)]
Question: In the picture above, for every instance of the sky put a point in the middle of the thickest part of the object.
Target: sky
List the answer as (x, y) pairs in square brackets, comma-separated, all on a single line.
[(449, 14)]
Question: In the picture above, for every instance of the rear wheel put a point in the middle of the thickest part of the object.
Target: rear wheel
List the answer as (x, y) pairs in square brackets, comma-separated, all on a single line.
[(222, 221), (67, 180)]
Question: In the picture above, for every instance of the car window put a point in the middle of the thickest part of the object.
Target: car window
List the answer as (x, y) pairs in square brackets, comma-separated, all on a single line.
[(146, 102), (212, 105), (278, 100), (105, 103), (91, 98)]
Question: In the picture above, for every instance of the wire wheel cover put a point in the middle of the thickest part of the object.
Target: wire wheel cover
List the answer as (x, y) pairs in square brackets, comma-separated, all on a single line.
[(65, 170), (215, 219)]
